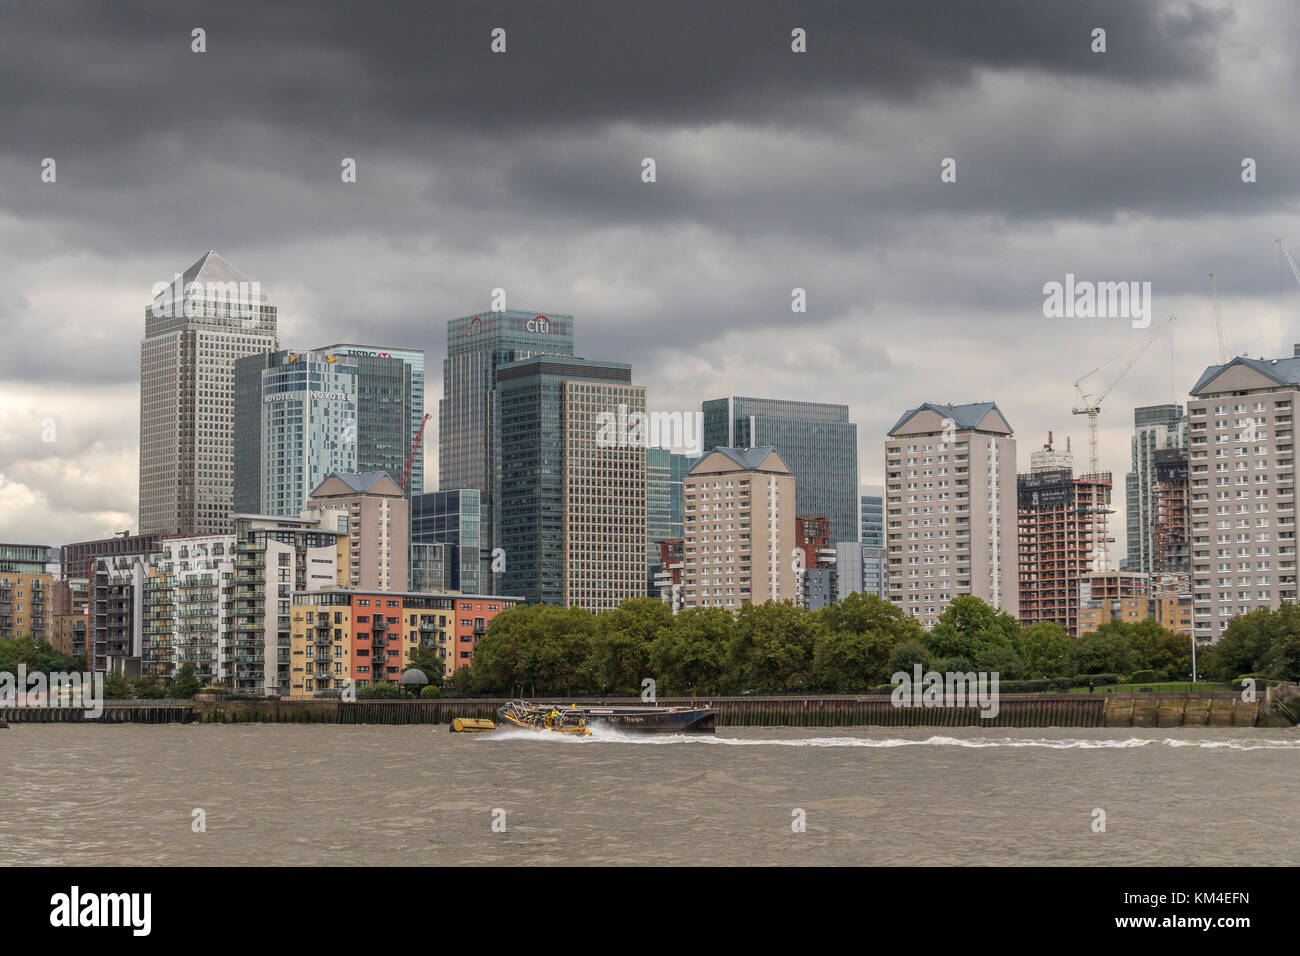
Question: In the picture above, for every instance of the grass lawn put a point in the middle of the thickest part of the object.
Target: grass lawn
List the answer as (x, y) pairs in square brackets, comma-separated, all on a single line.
[(1169, 687)]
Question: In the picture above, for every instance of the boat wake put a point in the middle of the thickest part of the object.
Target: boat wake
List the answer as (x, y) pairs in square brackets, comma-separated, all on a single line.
[(611, 735)]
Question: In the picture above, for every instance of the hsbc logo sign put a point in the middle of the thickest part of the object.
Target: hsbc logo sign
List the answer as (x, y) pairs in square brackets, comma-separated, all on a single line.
[(365, 352)]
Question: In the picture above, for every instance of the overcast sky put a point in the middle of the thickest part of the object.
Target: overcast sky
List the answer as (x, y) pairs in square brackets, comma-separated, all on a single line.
[(522, 170)]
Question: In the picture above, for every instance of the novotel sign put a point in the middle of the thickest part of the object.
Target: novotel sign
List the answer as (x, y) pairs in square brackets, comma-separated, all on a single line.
[(297, 396)]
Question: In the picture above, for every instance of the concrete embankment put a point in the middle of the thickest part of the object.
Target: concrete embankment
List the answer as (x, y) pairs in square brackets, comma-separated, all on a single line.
[(1014, 710)]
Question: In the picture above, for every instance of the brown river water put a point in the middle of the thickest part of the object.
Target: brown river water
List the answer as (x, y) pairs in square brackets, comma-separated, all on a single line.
[(339, 795)]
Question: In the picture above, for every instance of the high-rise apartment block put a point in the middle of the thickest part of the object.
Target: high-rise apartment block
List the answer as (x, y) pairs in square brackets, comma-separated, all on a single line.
[(115, 600), (739, 538), (1156, 428), (1242, 477), (195, 330), (816, 441), (187, 585), (570, 492), (376, 517), (274, 558), (950, 512)]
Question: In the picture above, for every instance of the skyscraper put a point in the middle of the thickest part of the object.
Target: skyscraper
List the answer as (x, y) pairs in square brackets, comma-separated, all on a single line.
[(301, 416), (950, 512), (570, 504), (295, 423), (1242, 475), (195, 330), (385, 395), (1155, 428), (816, 441), (477, 345)]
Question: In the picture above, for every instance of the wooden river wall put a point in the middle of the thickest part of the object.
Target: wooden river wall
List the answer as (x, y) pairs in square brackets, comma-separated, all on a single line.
[(1015, 710)]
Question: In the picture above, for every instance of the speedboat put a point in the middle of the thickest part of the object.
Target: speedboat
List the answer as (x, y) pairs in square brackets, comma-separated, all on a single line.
[(574, 718)]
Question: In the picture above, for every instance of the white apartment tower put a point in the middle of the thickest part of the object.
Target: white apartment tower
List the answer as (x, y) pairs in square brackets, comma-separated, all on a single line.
[(1241, 476), (950, 509), (738, 529)]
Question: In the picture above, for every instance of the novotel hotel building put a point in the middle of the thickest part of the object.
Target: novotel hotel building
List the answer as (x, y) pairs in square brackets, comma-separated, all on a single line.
[(301, 415)]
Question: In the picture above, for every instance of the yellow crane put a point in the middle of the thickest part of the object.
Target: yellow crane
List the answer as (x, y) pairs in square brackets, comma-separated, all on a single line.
[(1092, 403)]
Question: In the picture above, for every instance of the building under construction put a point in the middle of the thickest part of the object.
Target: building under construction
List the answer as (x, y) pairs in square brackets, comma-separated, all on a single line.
[(1170, 544), (1062, 536)]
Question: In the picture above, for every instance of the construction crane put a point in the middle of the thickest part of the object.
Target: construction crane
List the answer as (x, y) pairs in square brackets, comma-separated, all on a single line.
[(1295, 270), (415, 447), (1092, 405), (1218, 321)]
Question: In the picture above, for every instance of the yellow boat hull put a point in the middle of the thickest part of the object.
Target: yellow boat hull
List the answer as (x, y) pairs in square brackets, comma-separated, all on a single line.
[(472, 725)]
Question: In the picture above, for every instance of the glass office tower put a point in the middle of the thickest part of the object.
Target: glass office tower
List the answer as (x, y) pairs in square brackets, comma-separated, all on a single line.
[(477, 345), (816, 441), (383, 398), (301, 415), (451, 519), (570, 508)]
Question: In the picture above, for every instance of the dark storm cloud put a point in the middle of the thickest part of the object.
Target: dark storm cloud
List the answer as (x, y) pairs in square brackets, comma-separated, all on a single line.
[(115, 71), (522, 171)]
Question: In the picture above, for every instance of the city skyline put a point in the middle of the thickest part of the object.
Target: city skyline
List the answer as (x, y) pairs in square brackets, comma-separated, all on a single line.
[(842, 199)]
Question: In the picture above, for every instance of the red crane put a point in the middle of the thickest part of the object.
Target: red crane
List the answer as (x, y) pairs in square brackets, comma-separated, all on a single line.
[(415, 447)]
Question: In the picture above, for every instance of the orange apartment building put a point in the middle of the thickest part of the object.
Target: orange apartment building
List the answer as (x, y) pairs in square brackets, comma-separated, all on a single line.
[(367, 636)]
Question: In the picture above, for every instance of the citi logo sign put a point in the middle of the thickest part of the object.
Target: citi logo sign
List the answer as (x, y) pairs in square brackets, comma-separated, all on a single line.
[(539, 324), (76, 909)]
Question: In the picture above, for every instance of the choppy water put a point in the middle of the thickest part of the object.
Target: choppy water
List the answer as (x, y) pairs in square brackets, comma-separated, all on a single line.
[(410, 795)]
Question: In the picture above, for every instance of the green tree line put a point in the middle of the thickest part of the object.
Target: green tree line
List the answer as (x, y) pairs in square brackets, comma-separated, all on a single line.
[(850, 647)]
